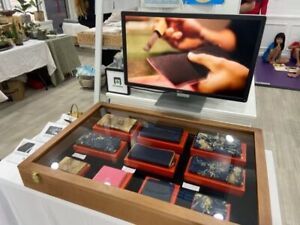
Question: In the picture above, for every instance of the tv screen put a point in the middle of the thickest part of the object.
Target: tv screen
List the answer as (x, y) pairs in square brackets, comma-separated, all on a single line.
[(209, 55)]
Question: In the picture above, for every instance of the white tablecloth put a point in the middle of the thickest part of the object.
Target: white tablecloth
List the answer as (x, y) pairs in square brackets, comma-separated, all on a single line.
[(32, 55), (23, 206)]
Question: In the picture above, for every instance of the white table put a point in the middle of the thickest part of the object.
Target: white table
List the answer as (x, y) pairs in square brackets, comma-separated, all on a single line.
[(32, 55), (23, 206)]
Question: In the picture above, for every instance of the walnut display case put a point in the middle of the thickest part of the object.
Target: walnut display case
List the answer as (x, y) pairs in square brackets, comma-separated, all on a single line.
[(41, 172)]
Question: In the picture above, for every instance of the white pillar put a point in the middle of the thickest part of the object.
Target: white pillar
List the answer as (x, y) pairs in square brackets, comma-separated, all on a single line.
[(98, 49)]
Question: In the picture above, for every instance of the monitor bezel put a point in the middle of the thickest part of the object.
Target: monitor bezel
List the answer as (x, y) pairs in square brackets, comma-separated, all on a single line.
[(246, 91)]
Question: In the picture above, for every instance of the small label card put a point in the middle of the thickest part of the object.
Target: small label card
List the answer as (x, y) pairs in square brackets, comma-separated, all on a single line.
[(191, 187), (79, 156), (128, 169)]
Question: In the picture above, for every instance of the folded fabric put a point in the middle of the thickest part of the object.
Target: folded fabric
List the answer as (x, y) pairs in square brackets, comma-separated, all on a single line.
[(73, 166), (217, 170), (152, 155), (160, 132), (210, 206), (99, 142), (224, 144), (158, 189), (117, 122)]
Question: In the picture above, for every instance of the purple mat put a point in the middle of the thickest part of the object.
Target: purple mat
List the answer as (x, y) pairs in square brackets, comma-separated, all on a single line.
[(265, 75)]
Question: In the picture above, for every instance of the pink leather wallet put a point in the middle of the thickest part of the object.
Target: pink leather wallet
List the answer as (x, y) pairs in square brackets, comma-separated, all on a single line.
[(110, 176)]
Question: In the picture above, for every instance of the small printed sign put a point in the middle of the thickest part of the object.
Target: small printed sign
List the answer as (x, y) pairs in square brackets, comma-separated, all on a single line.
[(116, 82), (191, 187), (128, 169), (79, 156)]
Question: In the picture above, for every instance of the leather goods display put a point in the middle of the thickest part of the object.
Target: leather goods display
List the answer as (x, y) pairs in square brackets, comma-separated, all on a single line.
[(160, 157), (99, 142), (117, 122), (160, 132), (110, 176), (164, 64), (211, 206), (218, 170), (74, 166), (223, 144)]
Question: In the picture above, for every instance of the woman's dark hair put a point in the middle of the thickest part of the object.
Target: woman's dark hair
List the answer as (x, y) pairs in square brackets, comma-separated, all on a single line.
[(280, 35)]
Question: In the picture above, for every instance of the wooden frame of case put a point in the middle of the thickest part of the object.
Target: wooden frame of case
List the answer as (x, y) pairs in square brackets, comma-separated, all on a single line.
[(127, 205)]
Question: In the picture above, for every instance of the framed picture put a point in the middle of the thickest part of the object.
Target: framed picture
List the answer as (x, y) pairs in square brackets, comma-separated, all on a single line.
[(197, 2), (116, 82)]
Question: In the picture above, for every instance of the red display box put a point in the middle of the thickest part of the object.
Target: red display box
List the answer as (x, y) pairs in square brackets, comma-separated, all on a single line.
[(177, 147), (151, 168), (84, 170), (218, 156), (117, 133), (174, 194), (96, 153), (215, 184)]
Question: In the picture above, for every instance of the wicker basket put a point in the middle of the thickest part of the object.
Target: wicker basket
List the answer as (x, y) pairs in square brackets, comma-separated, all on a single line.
[(86, 81)]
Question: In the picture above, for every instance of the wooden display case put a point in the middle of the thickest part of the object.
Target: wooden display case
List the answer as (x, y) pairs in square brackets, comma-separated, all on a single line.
[(251, 208)]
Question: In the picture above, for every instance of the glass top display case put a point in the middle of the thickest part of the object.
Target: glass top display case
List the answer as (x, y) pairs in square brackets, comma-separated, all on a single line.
[(147, 167)]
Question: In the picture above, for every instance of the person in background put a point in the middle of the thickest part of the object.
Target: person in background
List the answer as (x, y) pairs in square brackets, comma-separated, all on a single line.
[(273, 53), (85, 10), (247, 6), (295, 52), (259, 7)]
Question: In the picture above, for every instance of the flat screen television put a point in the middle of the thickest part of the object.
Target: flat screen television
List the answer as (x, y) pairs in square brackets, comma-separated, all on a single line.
[(198, 54)]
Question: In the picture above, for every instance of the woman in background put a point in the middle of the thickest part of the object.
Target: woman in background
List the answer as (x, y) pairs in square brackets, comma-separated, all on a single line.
[(85, 10), (273, 53)]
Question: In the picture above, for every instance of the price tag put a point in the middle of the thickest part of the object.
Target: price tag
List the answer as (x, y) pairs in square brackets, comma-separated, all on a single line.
[(128, 169), (79, 156), (190, 187)]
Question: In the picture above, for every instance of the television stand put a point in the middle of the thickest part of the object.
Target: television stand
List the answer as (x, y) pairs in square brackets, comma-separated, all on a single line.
[(180, 101)]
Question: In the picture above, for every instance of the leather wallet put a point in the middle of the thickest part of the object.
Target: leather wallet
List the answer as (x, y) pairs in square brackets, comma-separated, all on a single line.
[(210, 206), (73, 166), (217, 170), (187, 71), (158, 189), (117, 122), (160, 157), (224, 144), (99, 142), (160, 132), (110, 176)]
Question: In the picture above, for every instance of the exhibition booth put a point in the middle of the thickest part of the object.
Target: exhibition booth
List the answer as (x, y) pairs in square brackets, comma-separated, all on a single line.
[(170, 139)]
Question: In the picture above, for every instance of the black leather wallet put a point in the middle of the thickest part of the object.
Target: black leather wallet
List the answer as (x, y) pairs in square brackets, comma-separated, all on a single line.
[(152, 155), (99, 142), (187, 71), (158, 189), (160, 132)]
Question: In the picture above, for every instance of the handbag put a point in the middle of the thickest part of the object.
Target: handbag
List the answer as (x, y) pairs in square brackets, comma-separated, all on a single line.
[(74, 111)]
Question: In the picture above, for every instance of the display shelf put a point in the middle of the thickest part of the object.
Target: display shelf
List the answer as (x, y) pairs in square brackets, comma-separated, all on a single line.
[(253, 207)]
